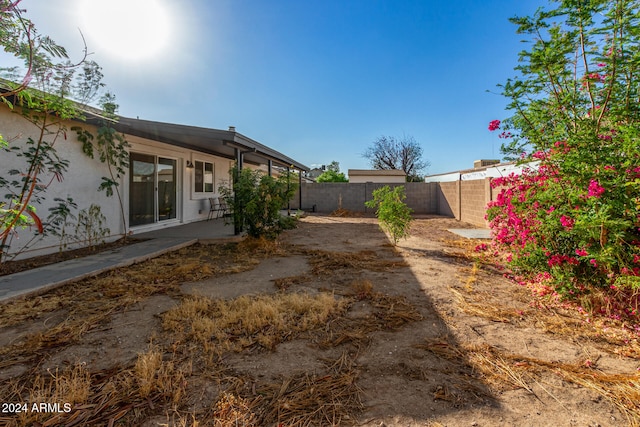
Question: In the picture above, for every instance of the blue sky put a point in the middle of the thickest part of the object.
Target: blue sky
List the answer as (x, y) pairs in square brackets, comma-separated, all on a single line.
[(318, 80)]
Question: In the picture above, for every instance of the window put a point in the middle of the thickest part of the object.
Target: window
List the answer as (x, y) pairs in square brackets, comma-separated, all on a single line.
[(208, 177), (203, 177)]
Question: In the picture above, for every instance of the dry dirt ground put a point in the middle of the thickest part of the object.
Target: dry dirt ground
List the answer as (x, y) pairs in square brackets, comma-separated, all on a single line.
[(331, 325)]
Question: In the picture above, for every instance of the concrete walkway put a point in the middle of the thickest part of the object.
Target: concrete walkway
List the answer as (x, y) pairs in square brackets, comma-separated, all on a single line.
[(39, 280), (472, 233)]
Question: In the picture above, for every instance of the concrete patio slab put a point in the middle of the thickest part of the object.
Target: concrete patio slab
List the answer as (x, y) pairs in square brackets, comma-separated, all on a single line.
[(472, 233)]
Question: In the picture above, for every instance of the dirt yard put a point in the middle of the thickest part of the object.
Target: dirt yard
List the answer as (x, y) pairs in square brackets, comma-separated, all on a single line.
[(330, 325)]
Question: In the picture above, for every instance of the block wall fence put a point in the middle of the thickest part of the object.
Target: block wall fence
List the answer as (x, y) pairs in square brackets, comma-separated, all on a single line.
[(463, 200)]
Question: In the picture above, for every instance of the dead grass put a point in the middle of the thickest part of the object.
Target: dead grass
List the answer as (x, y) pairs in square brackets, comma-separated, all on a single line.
[(622, 390), (246, 322), (478, 297), (326, 263), (311, 400), (502, 369), (127, 395), (386, 313), (233, 411), (494, 312), (91, 302), (158, 381), (156, 376), (71, 386), (345, 213), (285, 283)]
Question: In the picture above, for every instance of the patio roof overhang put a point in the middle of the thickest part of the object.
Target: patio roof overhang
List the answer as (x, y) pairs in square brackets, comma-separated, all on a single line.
[(223, 143)]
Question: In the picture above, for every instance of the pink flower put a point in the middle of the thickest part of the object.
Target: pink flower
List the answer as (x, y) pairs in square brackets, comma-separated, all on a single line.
[(481, 248), (595, 189), (596, 76), (593, 262), (494, 125), (566, 222), (581, 252), (539, 155)]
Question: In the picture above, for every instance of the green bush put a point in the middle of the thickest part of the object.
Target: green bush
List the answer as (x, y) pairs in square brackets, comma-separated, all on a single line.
[(571, 225), (394, 215), (256, 200)]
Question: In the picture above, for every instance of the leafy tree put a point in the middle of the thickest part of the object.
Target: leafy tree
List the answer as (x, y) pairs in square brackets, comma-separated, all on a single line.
[(572, 224), (256, 200), (388, 152), (394, 215), (112, 149), (43, 90), (332, 174)]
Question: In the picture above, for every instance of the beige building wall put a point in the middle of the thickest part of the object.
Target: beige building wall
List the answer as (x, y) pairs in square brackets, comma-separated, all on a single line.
[(377, 176)]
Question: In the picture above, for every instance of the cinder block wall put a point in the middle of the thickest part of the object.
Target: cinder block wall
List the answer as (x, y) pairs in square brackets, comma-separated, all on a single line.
[(463, 200), (449, 199), (329, 196), (474, 196)]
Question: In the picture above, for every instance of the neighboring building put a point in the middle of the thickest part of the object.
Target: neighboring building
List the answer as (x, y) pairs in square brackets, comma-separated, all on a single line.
[(464, 194), (173, 170), (316, 172), (392, 176), (482, 169)]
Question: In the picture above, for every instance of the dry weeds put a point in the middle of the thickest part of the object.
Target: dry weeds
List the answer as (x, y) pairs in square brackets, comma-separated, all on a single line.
[(477, 297), (308, 400), (502, 369), (327, 263), (261, 321), (126, 395), (346, 213), (157, 382), (387, 313)]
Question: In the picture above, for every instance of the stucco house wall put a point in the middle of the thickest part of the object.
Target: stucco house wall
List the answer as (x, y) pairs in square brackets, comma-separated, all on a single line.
[(80, 181), (156, 163)]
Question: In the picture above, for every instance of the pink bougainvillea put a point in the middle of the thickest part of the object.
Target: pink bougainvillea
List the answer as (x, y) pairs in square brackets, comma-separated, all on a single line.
[(595, 189), (574, 217), (494, 125)]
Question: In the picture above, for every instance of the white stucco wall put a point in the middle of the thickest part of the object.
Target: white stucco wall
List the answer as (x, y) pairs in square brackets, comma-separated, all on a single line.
[(80, 181), (84, 175)]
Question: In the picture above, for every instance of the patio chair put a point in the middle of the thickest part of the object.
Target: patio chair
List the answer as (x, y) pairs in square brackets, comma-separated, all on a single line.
[(223, 210), (213, 207), (219, 206)]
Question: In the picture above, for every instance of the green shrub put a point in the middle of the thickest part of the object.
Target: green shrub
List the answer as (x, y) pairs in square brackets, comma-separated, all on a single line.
[(256, 200), (394, 215)]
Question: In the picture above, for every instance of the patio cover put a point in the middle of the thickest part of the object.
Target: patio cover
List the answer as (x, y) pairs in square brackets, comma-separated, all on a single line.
[(223, 143)]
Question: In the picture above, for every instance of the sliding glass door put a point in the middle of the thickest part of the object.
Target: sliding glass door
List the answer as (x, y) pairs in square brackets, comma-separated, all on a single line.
[(142, 184), (152, 189), (166, 189)]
